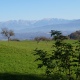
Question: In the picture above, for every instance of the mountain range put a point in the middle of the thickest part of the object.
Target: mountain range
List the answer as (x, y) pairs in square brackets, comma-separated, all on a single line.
[(28, 29)]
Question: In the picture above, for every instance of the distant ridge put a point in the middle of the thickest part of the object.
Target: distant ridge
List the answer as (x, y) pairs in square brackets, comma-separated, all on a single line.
[(32, 27)]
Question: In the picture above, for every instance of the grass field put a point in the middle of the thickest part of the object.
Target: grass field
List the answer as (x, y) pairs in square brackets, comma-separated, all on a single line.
[(17, 59)]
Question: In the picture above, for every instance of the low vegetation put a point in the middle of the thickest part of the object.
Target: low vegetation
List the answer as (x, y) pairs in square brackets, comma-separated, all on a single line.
[(42, 38)]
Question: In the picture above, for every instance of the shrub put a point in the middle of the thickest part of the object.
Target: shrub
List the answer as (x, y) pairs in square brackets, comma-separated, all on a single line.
[(15, 40)]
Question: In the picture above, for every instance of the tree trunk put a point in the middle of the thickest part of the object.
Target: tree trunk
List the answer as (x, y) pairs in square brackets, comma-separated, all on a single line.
[(8, 39)]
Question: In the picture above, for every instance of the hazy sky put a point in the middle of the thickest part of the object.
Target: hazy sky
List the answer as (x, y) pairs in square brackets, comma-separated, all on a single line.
[(39, 9)]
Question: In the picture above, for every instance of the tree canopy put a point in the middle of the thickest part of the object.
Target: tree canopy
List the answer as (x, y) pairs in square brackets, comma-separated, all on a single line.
[(75, 35), (7, 33)]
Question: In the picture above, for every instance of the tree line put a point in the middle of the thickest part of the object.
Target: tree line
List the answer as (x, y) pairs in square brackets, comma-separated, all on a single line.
[(8, 33)]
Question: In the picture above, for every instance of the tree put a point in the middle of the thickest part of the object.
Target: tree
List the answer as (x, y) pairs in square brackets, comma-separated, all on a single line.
[(7, 33), (77, 59), (42, 38), (62, 53), (59, 59), (75, 35)]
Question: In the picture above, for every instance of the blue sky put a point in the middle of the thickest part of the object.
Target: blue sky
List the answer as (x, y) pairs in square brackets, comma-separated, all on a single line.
[(39, 9)]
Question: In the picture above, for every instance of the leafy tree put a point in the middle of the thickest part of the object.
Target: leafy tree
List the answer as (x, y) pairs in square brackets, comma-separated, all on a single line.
[(45, 61), (64, 59), (54, 60), (7, 33), (62, 53), (77, 60)]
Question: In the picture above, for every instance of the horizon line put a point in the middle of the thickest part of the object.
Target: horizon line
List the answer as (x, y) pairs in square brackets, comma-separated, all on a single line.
[(37, 19)]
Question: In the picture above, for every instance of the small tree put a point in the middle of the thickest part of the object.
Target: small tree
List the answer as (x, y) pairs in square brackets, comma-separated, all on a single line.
[(60, 58), (7, 33), (54, 60)]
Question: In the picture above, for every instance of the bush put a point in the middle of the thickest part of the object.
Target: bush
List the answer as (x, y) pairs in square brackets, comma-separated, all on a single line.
[(42, 38), (15, 40)]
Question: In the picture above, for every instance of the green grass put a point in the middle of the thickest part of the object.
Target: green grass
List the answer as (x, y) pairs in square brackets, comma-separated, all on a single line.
[(17, 57)]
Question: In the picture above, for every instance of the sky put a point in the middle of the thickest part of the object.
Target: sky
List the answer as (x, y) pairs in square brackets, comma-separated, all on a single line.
[(39, 9)]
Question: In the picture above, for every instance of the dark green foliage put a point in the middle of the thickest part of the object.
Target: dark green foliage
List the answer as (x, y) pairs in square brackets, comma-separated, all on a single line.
[(62, 53), (57, 35), (18, 76), (77, 60), (15, 39), (45, 61), (62, 59)]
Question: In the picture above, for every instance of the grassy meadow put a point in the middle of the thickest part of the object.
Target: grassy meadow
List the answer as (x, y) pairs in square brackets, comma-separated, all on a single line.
[(17, 59)]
